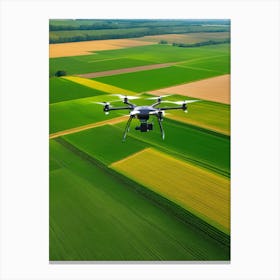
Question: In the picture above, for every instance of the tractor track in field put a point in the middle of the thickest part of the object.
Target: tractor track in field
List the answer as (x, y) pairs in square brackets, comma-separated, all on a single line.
[(87, 126)]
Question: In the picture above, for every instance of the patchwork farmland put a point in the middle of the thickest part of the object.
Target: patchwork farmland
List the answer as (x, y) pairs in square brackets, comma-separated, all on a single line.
[(145, 199)]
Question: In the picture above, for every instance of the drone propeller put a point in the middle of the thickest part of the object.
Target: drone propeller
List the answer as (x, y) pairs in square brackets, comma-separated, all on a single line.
[(180, 102), (102, 103), (125, 96), (158, 97), (106, 106)]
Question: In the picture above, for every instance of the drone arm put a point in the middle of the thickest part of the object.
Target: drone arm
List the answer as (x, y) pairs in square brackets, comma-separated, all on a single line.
[(128, 103), (172, 108), (119, 108)]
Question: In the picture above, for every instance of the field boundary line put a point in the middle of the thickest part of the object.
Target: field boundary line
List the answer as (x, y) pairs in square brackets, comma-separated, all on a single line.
[(105, 59), (197, 68), (131, 156), (87, 126)]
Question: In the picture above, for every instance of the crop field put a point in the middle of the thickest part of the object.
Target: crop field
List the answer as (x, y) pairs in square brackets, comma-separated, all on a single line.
[(98, 85), (156, 78), (85, 48), (200, 191), (220, 63), (209, 115), (83, 111), (185, 38), (75, 67), (135, 56), (64, 90), (213, 116), (77, 112), (87, 215), (215, 89), (143, 199), (187, 143)]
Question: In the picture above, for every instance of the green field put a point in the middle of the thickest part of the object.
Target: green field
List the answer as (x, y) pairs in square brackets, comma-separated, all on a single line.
[(219, 63), (157, 78), (105, 219), (146, 198), (210, 115), (74, 66), (64, 90), (166, 53), (135, 56), (96, 143), (78, 112), (190, 143), (185, 142), (192, 64)]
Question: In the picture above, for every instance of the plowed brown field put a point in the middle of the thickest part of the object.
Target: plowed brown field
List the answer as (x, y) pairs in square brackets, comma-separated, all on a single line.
[(215, 89), (84, 48)]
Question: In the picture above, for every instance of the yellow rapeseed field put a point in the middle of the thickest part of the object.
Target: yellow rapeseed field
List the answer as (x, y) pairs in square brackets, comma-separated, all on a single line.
[(202, 192), (99, 86)]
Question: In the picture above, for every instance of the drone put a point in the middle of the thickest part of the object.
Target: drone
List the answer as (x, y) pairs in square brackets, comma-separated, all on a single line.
[(143, 113)]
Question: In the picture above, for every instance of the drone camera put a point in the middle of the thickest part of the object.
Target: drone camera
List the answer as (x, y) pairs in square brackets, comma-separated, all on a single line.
[(144, 127)]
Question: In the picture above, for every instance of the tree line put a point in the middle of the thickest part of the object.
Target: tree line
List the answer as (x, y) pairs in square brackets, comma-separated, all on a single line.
[(199, 44), (84, 24), (103, 34)]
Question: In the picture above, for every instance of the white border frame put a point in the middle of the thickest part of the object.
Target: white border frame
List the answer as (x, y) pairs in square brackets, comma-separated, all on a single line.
[(255, 138)]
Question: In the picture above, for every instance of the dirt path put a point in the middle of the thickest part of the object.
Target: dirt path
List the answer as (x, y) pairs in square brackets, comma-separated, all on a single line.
[(88, 126), (125, 70), (215, 89)]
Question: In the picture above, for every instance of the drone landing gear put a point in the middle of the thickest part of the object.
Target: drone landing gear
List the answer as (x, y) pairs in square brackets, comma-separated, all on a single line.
[(160, 126), (127, 127), (144, 127)]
